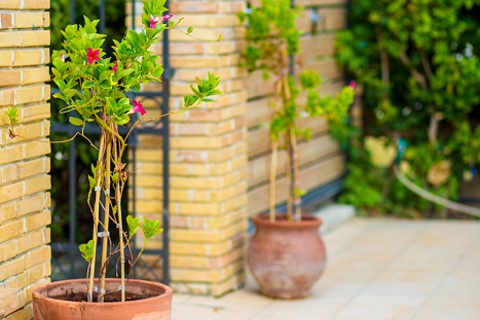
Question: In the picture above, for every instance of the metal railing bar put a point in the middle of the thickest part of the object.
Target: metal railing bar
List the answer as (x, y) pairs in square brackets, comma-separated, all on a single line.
[(166, 149), (134, 13), (72, 11), (102, 17), (72, 203)]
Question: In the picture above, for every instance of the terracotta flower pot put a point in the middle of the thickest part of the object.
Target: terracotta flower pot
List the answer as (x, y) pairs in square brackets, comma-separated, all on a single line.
[(49, 302), (286, 257)]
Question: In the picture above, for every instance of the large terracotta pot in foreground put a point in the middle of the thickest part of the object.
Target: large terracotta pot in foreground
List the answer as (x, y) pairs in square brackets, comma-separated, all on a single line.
[(286, 257), (48, 305)]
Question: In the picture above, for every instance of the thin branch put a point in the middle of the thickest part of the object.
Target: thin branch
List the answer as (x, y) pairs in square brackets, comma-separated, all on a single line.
[(384, 61), (426, 64), (73, 137), (415, 73)]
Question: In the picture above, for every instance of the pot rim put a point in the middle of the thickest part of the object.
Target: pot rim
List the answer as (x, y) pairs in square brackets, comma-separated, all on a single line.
[(308, 221), (37, 292)]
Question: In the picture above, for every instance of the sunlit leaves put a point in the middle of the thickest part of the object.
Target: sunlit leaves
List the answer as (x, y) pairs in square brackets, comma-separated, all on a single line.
[(12, 114), (203, 91), (87, 250), (133, 225), (151, 228)]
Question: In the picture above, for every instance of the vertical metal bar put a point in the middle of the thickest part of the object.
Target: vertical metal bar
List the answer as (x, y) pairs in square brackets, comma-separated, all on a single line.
[(102, 16), (72, 11), (134, 13), (72, 209), (166, 149)]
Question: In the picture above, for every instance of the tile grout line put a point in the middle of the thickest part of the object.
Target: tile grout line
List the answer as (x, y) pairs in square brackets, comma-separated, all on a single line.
[(349, 242), (382, 270), (260, 311), (432, 292)]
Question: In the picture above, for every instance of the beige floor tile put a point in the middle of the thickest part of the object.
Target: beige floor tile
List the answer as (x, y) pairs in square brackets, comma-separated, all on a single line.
[(180, 298), (241, 301), (300, 309), (443, 311), (202, 312), (377, 269), (376, 311)]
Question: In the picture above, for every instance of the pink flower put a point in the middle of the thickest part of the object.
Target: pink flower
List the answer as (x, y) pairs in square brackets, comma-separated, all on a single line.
[(352, 84), (62, 57), (154, 21), (92, 55), (167, 17), (115, 66), (137, 107)]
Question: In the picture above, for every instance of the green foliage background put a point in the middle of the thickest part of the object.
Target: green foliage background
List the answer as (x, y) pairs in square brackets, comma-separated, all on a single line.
[(415, 60)]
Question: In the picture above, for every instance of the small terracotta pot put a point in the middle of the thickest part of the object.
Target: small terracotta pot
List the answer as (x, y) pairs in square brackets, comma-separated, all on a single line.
[(286, 257), (48, 306)]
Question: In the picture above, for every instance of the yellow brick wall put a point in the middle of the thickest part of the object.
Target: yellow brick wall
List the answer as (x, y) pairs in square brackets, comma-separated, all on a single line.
[(208, 154), (220, 153), (24, 165)]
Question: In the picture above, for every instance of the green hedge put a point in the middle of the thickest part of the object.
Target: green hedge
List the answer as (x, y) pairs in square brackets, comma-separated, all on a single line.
[(418, 64)]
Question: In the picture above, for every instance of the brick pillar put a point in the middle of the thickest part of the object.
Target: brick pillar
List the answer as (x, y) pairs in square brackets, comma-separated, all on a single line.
[(24, 166), (208, 155)]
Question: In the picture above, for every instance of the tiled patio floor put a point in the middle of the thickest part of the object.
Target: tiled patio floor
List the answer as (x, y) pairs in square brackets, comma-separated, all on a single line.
[(377, 269)]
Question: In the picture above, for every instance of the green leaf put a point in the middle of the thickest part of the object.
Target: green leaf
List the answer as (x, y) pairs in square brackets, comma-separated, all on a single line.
[(87, 250), (12, 114), (151, 228), (122, 120), (133, 226), (92, 182), (76, 121), (189, 100), (189, 29)]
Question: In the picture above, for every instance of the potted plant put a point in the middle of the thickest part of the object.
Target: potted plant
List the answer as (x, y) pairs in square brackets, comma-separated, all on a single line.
[(286, 254), (95, 88)]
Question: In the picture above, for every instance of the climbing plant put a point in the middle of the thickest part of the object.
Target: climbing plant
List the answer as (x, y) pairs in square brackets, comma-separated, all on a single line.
[(271, 40), (115, 11)]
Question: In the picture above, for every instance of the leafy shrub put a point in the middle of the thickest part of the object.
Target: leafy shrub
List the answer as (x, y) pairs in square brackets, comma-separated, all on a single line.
[(418, 64)]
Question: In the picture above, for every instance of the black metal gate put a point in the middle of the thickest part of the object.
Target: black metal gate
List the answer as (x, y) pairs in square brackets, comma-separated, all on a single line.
[(65, 261)]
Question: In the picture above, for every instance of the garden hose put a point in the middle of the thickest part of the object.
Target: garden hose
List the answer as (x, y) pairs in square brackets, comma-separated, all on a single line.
[(452, 205), (449, 204)]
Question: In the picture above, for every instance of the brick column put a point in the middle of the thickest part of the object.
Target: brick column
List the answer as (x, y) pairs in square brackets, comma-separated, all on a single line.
[(24, 166), (208, 155)]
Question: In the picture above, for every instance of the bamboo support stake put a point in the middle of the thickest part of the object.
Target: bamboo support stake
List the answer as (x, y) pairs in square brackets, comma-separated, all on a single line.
[(295, 177), (106, 220), (288, 172), (122, 245), (273, 178), (118, 200), (96, 213)]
